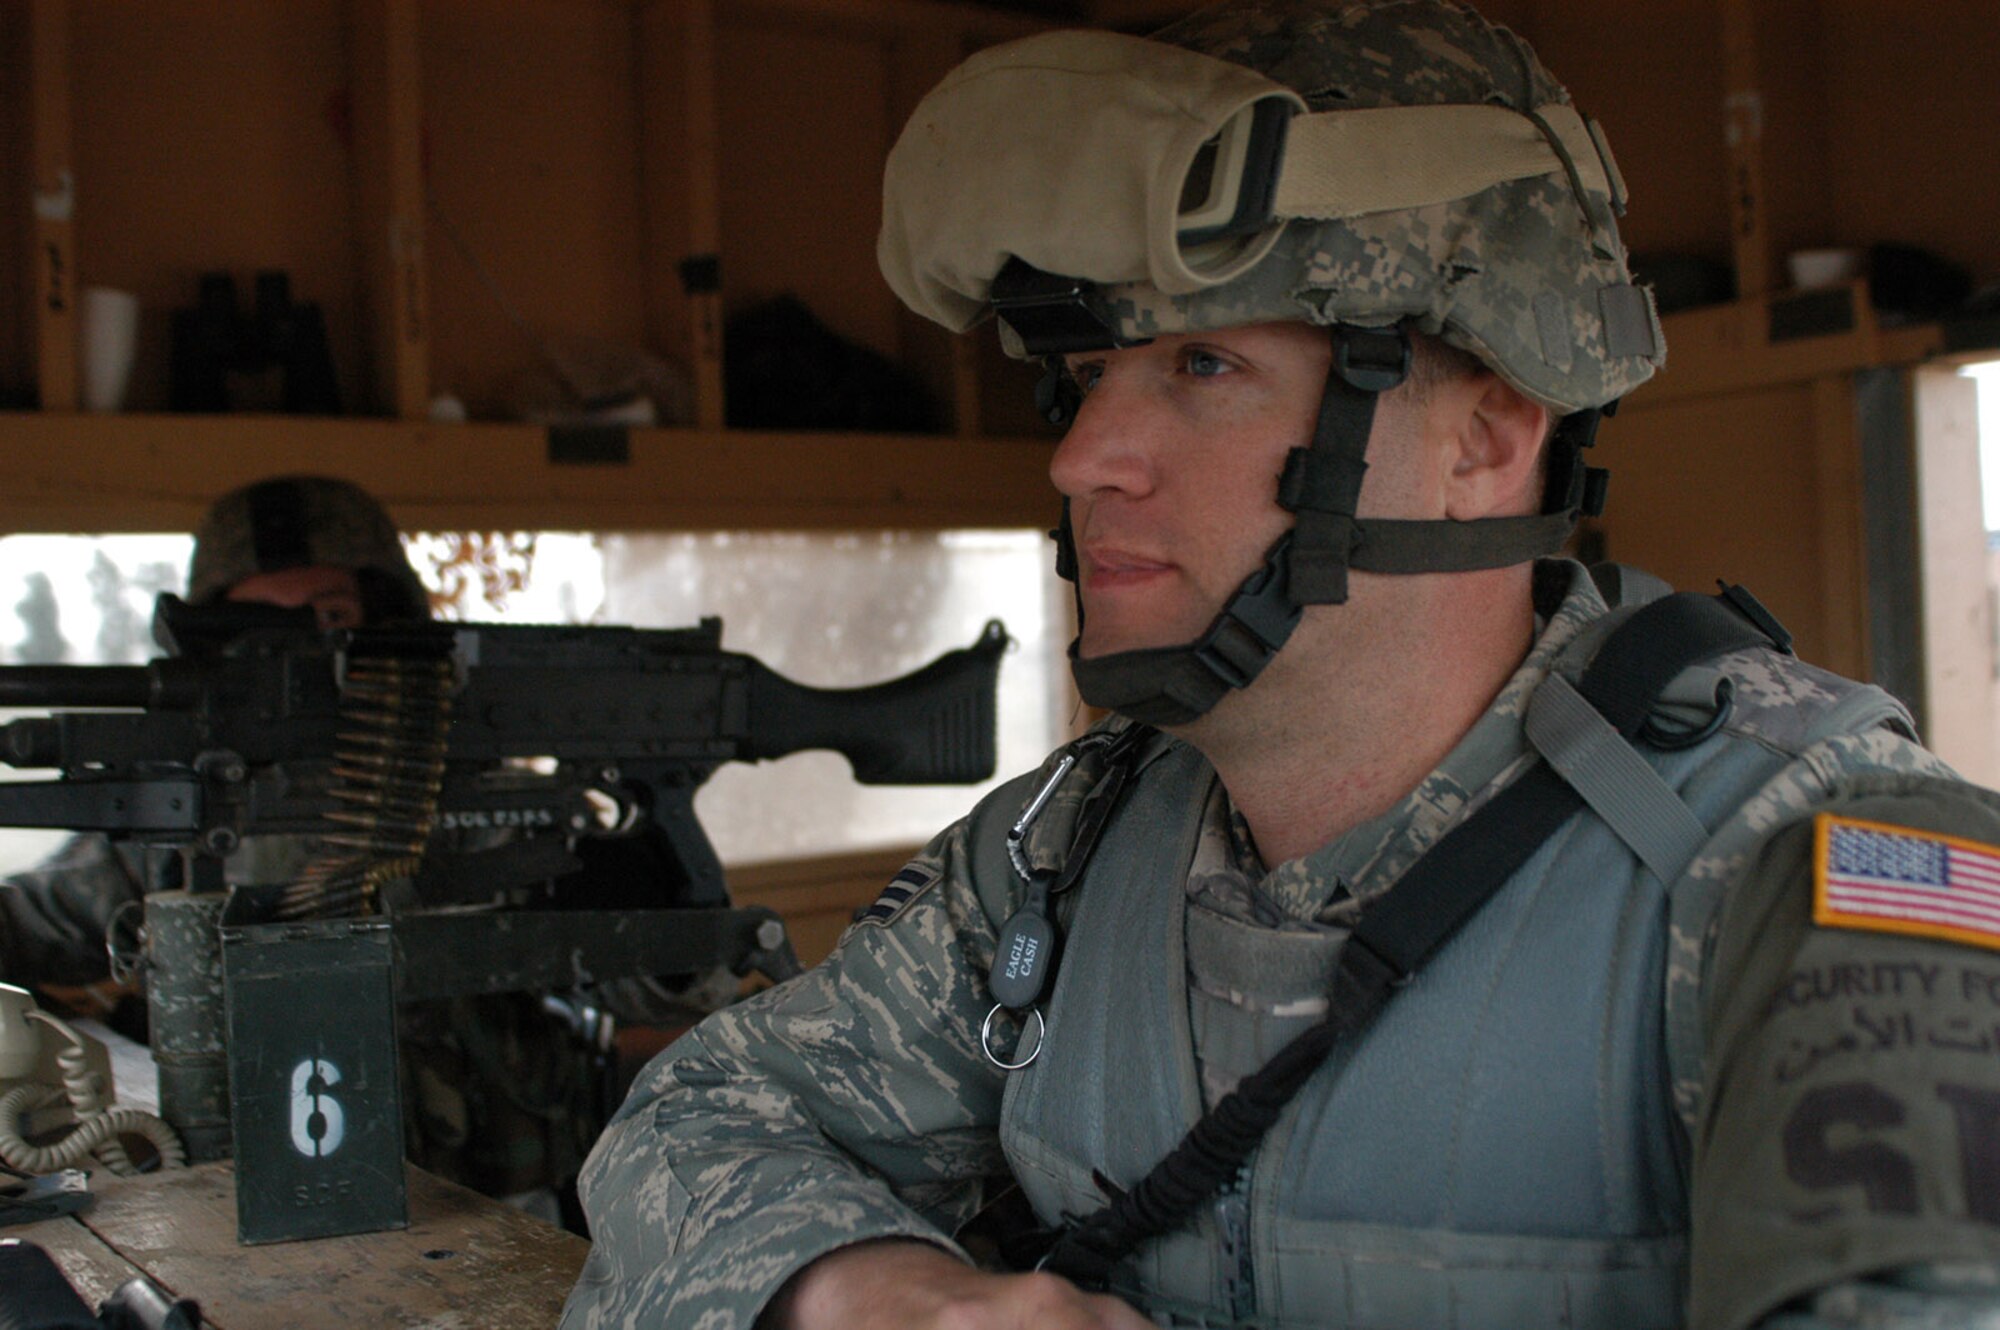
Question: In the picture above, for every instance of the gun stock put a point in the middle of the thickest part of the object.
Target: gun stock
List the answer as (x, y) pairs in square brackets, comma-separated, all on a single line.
[(934, 726)]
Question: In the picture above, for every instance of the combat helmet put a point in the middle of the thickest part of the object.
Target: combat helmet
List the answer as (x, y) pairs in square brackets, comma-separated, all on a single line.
[(1376, 167), (303, 522)]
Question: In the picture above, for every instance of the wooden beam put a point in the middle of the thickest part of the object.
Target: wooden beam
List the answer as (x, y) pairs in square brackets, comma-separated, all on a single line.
[(1729, 348), (1842, 545), (389, 187), (947, 362), (878, 16), (1743, 129), (701, 275), (54, 257), (158, 473)]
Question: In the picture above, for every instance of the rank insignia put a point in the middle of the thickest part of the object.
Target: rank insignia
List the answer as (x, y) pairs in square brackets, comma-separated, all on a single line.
[(903, 888)]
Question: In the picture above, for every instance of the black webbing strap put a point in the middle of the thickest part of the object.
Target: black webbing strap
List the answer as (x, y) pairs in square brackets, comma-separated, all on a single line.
[(1403, 929), (1394, 545), (1321, 484)]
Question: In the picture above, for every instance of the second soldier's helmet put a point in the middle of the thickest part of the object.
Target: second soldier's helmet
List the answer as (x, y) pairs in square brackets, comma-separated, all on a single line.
[(1365, 162), (303, 522)]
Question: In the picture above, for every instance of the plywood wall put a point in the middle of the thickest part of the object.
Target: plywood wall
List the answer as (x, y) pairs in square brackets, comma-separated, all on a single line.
[(209, 134), (16, 365), (1877, 118)]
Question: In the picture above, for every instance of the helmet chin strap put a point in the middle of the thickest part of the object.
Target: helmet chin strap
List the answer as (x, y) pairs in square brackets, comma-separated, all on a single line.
[(1308, 565)]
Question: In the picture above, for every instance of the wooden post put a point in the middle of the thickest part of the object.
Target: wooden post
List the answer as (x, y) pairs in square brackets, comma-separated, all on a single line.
[(1843, 550), (1743, 126), (701, 265), (54, 258), (949, 363), (389, 184)]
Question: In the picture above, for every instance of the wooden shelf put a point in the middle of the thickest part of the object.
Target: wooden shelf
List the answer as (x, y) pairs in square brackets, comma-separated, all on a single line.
[(79, 472), (1743, 345)]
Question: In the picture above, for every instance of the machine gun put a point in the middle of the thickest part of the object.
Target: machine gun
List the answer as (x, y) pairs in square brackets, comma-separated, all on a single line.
[(371, 738), (520, 742)]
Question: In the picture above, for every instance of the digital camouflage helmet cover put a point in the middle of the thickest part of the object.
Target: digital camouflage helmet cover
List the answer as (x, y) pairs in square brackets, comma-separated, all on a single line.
[(304, 522)]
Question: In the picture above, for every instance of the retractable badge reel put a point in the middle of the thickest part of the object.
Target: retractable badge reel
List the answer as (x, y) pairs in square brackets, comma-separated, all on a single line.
[(1025, 956)]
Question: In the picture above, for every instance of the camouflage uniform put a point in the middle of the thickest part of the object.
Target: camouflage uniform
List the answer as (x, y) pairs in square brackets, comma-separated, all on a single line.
[(855, 1102), (1610, 1100)]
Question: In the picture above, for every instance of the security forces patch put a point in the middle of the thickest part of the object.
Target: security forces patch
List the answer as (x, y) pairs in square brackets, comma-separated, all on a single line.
[(906, 886), (1889, 879)]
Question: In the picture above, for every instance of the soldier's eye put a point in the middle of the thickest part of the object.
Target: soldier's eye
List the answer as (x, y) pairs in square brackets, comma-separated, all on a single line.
[(1085, 376), (337, 612), (1203, 364)]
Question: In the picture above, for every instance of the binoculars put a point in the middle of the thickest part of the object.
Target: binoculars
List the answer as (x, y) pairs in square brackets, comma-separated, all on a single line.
[(215, 342)]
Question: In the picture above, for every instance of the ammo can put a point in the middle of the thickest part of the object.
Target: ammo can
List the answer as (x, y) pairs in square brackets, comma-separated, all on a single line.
[(312, 1075)]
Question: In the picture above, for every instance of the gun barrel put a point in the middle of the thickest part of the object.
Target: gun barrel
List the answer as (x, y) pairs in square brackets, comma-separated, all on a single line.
[(78, 686)]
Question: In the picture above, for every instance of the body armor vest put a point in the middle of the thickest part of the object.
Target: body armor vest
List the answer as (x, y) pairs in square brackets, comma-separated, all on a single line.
[(1501, 1148)]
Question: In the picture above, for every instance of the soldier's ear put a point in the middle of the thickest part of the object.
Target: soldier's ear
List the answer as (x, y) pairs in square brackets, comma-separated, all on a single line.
[(1497, 438)]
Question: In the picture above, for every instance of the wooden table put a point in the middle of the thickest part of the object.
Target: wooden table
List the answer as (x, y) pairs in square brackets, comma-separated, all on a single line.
[(464, 1261)]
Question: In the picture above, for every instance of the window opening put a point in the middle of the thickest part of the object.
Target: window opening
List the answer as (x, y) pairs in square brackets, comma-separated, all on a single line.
[(830, 610)]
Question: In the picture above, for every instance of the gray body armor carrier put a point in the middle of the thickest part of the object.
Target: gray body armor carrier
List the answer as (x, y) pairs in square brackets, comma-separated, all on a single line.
[(1501, 1148)]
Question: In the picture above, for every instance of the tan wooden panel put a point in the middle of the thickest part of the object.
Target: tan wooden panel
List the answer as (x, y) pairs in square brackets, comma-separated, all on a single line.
[(1743, 136), (1959, 714), (464, 1259), (156, 473), (1727, 348), (1651, 74), (213, 134), (948, 364), (389, 190), (667, 179), (17, 363), (53, 175), (818, 896), (1843, 540), (803, 131), (702, 280), (1910, 124), (875, 17), (532, 131), (1728, 487)]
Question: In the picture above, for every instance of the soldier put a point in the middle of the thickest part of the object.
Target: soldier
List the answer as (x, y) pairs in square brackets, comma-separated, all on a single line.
[(501, 1094), (1433, 936), (296, 542)]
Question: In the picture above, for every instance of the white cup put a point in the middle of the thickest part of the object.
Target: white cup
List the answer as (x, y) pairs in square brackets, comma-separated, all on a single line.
[(108, 338), (1818, 269)]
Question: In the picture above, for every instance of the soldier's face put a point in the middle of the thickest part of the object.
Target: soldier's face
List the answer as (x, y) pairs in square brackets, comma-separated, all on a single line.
[(333, 594), (1171, 468)]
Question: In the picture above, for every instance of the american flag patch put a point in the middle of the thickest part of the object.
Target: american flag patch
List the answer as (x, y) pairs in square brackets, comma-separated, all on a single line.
[(1885, 879)]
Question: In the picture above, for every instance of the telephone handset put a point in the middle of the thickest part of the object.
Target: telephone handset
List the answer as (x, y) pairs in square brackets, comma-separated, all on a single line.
[(55, 1081)]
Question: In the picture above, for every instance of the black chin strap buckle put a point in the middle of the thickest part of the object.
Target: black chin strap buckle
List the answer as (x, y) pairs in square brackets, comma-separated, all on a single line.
[(1373, 360), (1253, 625)]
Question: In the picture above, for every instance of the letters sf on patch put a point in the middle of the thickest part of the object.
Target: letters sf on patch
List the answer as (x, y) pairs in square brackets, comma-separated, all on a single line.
[(1887, 879)]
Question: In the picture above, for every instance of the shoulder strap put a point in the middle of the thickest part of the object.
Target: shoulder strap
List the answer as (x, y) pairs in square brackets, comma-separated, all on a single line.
[(1408, 925), (1623, 585)]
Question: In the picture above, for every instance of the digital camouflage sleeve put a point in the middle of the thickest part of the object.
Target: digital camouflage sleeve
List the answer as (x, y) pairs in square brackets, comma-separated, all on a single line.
[(1847, 1164), (53, 916), (852, 1102)]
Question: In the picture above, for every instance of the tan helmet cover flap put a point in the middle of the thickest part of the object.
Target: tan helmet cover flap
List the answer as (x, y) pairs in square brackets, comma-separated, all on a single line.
[(1067, 150)]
